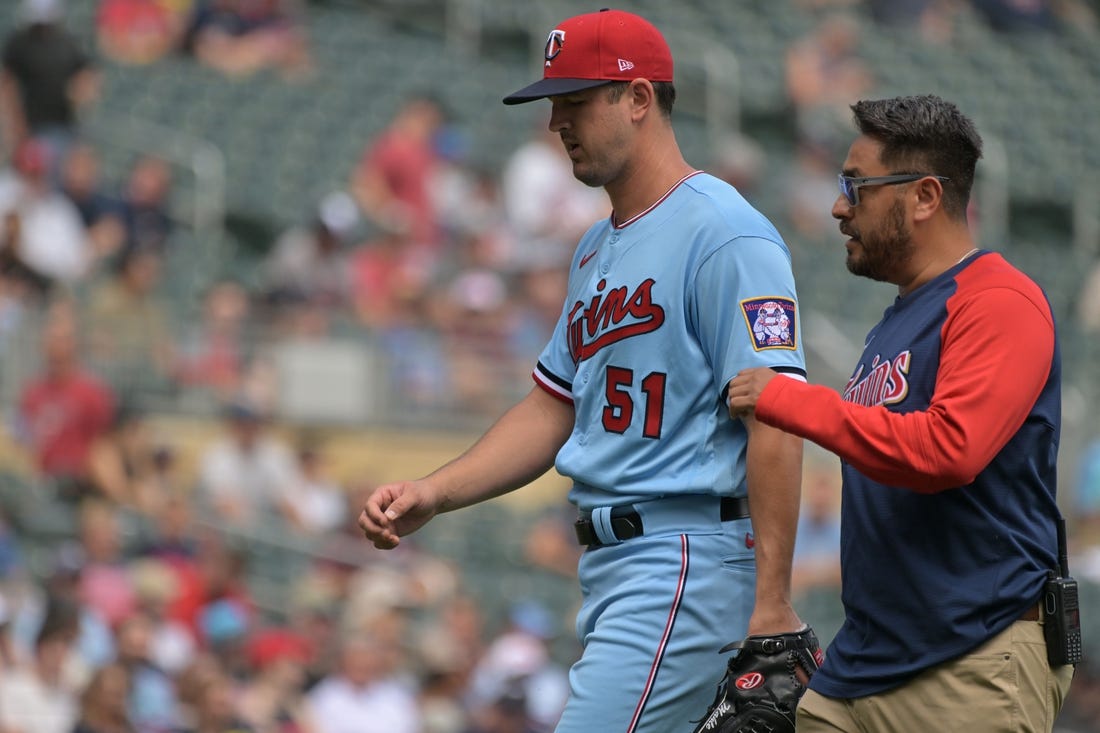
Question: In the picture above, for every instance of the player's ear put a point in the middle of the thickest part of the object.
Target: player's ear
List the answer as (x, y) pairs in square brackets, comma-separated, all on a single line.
[(929, 193), (643, 98)]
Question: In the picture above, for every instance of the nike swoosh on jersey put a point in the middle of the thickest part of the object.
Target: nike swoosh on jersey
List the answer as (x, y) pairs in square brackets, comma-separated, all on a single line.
[(586, 258)]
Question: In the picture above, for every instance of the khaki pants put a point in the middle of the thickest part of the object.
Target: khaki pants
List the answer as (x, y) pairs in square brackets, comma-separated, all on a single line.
[(1004, 686)]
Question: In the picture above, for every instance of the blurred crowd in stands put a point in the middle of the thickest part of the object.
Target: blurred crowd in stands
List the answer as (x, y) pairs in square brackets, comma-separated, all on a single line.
[(125, 602)]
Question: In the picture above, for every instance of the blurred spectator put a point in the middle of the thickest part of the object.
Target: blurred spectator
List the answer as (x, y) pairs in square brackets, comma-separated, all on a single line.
[(171, 536), (817, 542), (65, 409), (810, 186), (313, 614), (7, 654), (739, 161), (1081, 712), (130, 334), (36, 697), (551, 544), (317, 504), (389, 278), (213, 709), (461, 619), (46, 81), (12, 567), (213, 352), (81, 183), (47, 238), (249, 475), (364, 694), (139, 32), (156, 586), (395, 178), (242, 37), (190, 683), (470, 203), (310, 264), (272, 701), (391, 300), (547, 208), (121, 460), (213, 599), (519, 658), (152, 703), (20, 288), (105, 584), (1088, 301), (825, 74), (443, 678), (144, 205), (1085, 499), (58, 594), (934, 19), (103, 703), (1015, 16), (539, 281), (475, 331), (508, 713)]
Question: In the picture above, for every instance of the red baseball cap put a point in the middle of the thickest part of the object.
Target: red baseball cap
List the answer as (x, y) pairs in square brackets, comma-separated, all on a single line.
[(589, 50)]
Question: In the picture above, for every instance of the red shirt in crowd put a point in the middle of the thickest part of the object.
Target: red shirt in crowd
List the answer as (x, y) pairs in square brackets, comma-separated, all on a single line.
[(62, 417)]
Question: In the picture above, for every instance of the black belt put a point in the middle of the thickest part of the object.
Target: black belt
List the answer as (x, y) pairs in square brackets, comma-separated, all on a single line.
[(626, 523)]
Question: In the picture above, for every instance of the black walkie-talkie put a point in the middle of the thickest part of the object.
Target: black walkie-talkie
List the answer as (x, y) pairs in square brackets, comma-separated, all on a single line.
[(1062, 622)]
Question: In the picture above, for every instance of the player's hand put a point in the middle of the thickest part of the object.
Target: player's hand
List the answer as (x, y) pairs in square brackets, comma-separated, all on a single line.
[(395, 510), (770, 618), (745, 389)]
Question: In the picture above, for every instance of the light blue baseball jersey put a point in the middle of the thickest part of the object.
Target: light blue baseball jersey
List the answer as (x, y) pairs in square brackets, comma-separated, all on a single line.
[(661, 312)]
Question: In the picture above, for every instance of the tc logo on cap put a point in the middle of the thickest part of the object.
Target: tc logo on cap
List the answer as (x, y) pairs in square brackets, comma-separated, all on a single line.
[(554, 43)]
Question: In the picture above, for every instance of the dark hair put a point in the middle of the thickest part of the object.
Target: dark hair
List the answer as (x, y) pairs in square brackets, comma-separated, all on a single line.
[(61, 621), (925, 134), (665, 91)]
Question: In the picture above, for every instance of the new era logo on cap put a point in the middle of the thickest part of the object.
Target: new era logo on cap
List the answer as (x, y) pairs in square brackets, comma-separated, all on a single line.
[(596, 48)]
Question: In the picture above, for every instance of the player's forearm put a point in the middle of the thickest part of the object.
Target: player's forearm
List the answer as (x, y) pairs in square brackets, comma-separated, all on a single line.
[(518, 448), (774, 475)]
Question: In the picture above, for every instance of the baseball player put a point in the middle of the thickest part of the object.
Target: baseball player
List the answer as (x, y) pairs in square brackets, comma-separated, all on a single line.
[(948, 433), (684, 285)]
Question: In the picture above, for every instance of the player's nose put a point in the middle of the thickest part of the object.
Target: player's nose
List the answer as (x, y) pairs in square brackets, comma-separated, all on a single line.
[(841, 208), (558, 119)]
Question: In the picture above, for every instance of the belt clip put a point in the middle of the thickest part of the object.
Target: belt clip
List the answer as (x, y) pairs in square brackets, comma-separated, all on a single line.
[(601, 524)]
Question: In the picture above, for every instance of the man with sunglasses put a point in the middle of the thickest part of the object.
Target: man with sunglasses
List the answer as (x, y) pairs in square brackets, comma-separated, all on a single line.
[(948, 432)]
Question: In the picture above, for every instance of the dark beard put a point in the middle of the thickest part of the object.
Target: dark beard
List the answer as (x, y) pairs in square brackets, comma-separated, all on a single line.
[(885, 251)]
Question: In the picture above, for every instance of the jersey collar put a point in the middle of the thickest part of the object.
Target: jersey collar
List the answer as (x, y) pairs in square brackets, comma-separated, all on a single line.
[(652, 206)]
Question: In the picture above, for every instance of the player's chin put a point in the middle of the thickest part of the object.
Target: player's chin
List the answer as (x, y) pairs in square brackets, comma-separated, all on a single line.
[(854, 250)]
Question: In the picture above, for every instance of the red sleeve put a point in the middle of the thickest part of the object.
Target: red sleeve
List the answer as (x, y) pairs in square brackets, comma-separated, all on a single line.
[(102, 407), (995, 358)]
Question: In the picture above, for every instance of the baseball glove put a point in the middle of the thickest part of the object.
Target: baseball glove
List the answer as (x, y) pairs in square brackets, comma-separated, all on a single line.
[(761, 689)]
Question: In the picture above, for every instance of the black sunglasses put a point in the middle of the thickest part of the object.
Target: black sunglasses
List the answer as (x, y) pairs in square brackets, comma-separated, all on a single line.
[(850, 185)]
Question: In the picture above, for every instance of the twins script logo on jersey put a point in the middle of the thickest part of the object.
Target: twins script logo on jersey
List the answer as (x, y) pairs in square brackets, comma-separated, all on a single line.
[(771, 321), (612, 316), (887, 382)]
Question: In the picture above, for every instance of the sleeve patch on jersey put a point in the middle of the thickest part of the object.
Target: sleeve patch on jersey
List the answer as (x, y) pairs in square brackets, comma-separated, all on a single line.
[(771, 322)]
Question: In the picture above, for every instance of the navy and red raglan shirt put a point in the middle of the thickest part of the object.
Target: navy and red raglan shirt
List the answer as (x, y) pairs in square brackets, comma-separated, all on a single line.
[(948, 436)]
